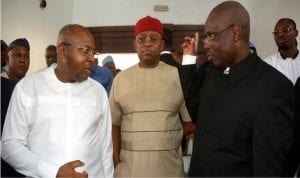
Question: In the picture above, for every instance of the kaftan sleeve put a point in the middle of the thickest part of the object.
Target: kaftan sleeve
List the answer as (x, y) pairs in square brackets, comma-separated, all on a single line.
[(114, 106), (183, 109), (14, 139), (184, 113), (105, 126)]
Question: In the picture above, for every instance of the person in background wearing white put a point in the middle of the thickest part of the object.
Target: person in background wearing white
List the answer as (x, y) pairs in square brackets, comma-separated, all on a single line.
[(287, 59)]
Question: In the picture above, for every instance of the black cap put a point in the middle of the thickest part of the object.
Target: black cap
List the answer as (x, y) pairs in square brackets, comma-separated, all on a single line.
[(19, 42), (3, 45)]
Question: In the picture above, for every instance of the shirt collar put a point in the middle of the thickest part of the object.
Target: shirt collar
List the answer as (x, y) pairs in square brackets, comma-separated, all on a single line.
[(294, 57)]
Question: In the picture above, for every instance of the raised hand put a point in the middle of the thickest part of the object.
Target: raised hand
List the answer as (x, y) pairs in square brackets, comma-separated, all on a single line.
[(190, 45)]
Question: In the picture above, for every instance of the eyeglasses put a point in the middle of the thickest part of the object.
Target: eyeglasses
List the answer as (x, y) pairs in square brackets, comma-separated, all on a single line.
[(210, 37), (284, 31), (153, 39), (85, 50)]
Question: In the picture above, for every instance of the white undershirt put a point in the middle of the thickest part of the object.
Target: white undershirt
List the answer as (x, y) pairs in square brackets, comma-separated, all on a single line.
[(289, 67)]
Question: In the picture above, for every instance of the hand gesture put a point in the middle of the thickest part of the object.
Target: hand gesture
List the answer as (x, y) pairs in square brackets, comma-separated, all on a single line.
[(190, 45), (68, 170)]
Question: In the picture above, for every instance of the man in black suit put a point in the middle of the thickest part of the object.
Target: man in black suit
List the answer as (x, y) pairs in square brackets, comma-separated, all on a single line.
[(244, 120), (7, 87), (297, 128), (166, 55)]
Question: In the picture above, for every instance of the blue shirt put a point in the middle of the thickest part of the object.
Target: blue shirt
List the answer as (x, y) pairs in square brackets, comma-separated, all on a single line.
[(103, 76)]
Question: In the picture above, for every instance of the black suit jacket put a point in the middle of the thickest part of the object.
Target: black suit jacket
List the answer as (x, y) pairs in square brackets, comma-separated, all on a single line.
[(168, 59), (191, 79), (244, 123), (7, 87), (296, 156)]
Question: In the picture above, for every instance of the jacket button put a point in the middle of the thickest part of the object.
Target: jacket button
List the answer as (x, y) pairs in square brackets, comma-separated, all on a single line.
[(202, 132)]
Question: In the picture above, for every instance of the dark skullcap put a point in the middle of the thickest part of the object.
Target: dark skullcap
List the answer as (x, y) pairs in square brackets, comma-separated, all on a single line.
[(19, 42), (3, 45)]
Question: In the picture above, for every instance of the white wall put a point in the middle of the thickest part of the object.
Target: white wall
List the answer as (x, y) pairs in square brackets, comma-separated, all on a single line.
[(126, 12), (264, 15), (24, 18)]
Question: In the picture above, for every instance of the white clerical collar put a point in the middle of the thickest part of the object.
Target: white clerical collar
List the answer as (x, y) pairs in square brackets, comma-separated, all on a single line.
[(226, 71)]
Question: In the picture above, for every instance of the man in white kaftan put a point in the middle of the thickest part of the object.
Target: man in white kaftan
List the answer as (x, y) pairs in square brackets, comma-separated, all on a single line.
[(58, 123), (287, 59)]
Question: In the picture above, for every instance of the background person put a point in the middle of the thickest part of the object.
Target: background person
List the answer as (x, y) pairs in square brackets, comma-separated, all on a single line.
[(7, 87), (18, 59), (102, 75), (167, 55), (296, 156), (4, 57), (109, 63), (287, 59), (50, 55)]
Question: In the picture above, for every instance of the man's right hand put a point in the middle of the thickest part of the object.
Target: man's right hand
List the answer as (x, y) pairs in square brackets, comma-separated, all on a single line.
[(68, 170), (190, 45)]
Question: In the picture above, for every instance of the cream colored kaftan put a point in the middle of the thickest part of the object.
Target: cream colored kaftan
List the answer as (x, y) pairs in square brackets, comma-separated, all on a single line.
[(146, 104)]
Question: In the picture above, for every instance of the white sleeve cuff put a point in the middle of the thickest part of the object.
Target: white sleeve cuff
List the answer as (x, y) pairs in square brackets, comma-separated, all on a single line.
[(188, 59), (47, 170)]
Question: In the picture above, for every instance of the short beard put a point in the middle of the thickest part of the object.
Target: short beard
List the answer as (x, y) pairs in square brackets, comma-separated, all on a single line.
[(283, 47)]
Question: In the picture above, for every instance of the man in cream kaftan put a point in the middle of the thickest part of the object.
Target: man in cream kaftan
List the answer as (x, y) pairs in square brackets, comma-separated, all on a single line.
[(146, 104)]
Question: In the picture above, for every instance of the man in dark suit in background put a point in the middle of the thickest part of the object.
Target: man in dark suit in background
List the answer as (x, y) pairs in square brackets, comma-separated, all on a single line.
[(7, 87), (167, 54), (297, 127)]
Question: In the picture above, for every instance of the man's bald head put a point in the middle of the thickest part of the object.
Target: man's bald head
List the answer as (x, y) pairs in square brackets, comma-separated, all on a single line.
[(71, 30), (228, 26), (232, 12), (75, 53)]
